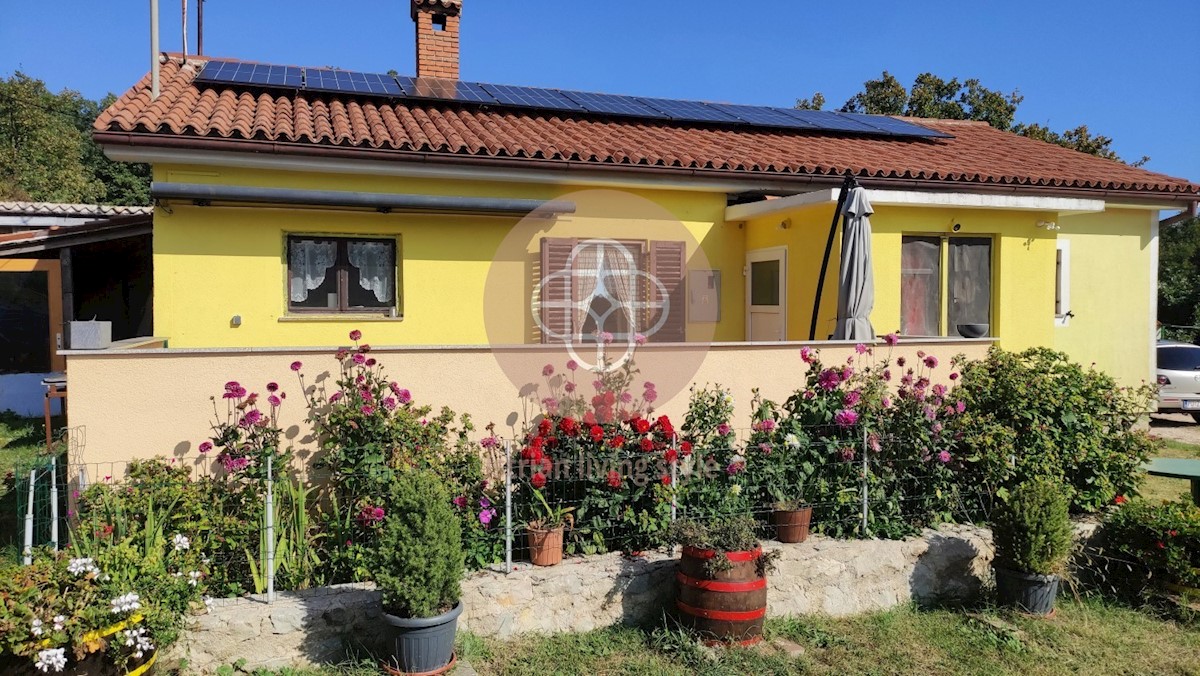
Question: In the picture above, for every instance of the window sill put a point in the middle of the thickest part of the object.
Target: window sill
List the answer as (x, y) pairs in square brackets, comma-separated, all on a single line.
[(346, 317)]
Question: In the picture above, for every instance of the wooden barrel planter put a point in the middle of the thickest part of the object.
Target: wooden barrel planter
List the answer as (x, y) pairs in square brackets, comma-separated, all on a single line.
[(726, 606)]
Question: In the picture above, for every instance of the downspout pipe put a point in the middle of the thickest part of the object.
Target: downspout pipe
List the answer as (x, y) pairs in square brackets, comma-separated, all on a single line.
[(205, 194)]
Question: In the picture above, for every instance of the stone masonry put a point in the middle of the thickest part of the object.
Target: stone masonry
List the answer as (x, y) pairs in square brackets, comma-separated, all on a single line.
[(822, 575)]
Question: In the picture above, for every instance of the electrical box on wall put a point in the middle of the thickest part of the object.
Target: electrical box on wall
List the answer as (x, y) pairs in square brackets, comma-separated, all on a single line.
[(704, 295)]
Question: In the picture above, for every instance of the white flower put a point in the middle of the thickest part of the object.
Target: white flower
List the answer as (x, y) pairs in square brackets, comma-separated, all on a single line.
[(82, 566), (60, 621), (208, 602), (792, 441), (181, 542), (125, 603), (138, 640), (178, 573), (194, 577), (736, 489), (53, 658), (35, 627)]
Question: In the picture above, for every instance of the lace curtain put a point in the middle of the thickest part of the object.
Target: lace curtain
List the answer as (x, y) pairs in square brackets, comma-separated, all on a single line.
[(585, 270), (376, 269), (310, 260), (621, 280)]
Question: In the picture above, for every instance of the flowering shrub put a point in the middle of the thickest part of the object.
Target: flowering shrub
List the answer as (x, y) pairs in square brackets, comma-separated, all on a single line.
[(1164, 537), (603, 455), (1036, 414), (118, 595), (368, 428), (714, 479), (245, 437)]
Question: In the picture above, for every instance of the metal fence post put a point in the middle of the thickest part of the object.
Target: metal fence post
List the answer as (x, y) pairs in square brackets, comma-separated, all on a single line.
[(675, 480), (28, 551), (865, 480), (508, 521), (270, 515), (54, 502)]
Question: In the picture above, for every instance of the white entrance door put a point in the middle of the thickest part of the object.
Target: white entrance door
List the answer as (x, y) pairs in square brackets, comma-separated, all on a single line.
[(766, 294)]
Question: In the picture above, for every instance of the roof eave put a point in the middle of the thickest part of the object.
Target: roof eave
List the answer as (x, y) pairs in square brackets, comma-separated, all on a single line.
[(123, 142)]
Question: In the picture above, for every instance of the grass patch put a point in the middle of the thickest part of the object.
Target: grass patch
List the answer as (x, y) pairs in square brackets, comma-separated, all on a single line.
[(1163, 488), (1091, 637)]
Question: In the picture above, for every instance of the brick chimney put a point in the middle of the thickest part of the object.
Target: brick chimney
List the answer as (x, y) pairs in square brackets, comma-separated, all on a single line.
[(437, 37)]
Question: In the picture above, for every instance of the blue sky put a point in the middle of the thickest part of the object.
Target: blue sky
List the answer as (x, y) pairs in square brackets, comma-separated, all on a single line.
[(1123, 68)]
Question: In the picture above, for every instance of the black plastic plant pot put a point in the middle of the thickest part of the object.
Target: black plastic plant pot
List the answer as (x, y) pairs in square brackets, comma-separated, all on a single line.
[(1027, 592), (423, 645)]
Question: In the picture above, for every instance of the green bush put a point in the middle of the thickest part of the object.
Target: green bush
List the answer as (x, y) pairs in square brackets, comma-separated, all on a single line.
[(419, 565), (1035, 414), (1032, 528), (1164, 537)]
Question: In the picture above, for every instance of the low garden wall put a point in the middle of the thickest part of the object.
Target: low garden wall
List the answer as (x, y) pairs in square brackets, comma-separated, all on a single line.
[(822, 575)]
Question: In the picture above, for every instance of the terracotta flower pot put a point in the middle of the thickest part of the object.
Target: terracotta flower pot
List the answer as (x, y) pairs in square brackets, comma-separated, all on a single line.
[(791, 525), (545, 546)]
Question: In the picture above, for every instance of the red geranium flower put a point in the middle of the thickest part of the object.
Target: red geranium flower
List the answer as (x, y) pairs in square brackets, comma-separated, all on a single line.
[(1120, 499), (568, 426), (614, 479), (647, 445), (544, 426), (671, 455), (666, 479), (641, 425), (665, 423), (538, 480), (597, 433), (686, 448), (617, 441)]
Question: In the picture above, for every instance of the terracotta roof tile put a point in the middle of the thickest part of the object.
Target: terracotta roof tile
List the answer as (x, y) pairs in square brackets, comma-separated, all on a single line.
[(977, 153)]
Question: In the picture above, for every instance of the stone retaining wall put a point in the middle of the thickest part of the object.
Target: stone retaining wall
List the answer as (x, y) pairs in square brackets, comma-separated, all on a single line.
[(822, 575)]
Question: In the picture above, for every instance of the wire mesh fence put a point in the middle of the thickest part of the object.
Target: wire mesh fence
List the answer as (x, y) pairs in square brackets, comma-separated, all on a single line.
[(303, 524)]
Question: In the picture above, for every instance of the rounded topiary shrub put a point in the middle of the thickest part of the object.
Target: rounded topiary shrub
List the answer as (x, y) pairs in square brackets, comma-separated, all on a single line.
[(420, 562), (1032, 529)]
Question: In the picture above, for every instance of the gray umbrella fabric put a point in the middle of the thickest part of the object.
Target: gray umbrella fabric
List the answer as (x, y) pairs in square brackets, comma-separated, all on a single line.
[(856, 281)]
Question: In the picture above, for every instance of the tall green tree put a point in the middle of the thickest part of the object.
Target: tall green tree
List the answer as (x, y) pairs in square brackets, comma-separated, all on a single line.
[(931, 96), (47, 153), (1178, 279)]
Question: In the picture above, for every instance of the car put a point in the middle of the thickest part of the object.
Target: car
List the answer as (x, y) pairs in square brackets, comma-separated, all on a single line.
[(1179, 378)]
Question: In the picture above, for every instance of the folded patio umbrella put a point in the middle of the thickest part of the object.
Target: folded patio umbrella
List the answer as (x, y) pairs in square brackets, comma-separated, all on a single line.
[(856, 283)]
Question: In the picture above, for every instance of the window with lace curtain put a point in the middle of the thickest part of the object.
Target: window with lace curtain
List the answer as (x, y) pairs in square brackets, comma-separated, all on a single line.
[(342, 274)]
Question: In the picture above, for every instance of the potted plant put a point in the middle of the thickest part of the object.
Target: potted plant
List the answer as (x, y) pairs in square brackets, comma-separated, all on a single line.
[(545, 532), (791, 518), (420, 569), (1032, 535), (785, 462), (722, 579)]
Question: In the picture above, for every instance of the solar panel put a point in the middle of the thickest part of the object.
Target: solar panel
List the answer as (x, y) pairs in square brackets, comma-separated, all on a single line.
[(828, 120), (531, 97), (763, 115), (692, 111), (236, 72), (447, 90), (325, 79), (892, 126), (613, 104)]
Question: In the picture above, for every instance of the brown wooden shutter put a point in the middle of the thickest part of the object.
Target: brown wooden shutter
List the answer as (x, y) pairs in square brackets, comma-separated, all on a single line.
[(668, 261), (556, 252)]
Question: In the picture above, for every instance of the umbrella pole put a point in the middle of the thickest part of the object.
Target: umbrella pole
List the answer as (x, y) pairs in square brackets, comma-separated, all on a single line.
[(837, 213)]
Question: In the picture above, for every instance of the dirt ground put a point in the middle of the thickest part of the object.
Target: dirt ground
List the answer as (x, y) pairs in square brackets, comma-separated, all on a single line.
[(1176, 426)]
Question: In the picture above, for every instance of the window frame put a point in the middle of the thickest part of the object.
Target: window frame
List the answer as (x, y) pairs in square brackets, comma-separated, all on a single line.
[(341, 272), (1062, 282), (944, 280)]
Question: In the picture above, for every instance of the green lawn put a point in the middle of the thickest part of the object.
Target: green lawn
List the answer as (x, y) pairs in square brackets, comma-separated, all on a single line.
[(1162, 488), (1091, 637)]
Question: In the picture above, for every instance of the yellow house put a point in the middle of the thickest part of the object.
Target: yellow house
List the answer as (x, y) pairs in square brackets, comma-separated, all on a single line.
[(475, 231)]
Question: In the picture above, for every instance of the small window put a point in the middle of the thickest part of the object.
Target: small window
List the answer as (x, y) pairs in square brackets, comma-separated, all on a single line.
[(342, 274), (1062, 283)]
